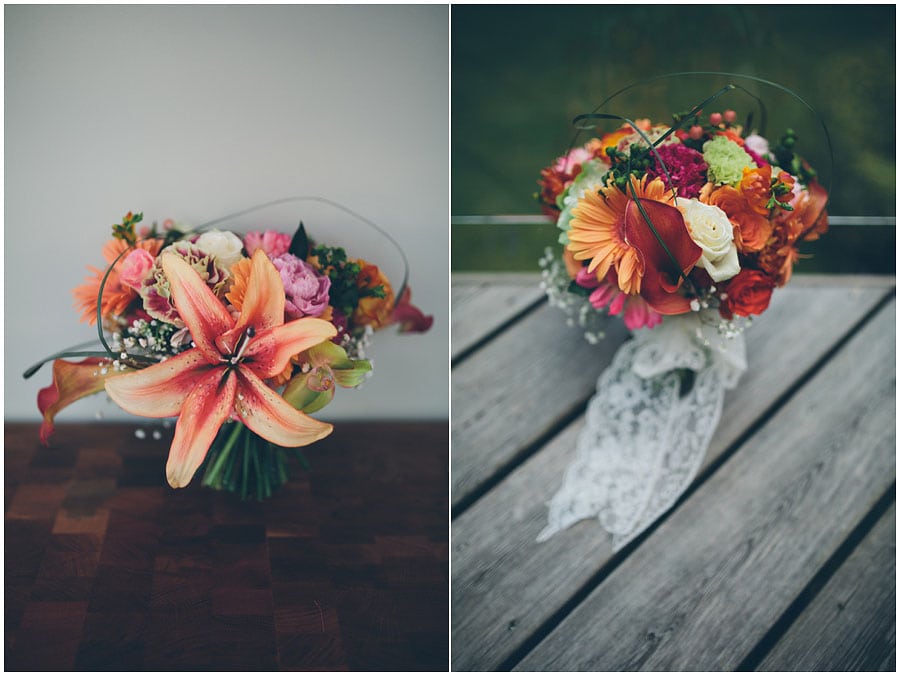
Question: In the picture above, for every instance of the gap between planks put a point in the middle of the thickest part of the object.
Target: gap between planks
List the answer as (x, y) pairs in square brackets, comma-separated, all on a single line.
[(765, 650)]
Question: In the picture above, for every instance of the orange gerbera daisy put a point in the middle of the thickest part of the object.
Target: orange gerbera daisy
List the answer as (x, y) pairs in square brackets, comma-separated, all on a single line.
[(240, 276), (597, 231), (116, 296)]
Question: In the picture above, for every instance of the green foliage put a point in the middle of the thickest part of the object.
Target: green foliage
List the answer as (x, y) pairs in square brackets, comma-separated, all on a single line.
[(790, 161), (634, 162), (779, 189), (125, 230), (300, 243), (344, 293)]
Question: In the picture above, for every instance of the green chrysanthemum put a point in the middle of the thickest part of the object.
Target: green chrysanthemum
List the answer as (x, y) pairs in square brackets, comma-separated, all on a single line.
[(726, 161)]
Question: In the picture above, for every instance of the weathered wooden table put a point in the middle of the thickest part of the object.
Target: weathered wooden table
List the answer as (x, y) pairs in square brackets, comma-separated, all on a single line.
[(346, 567), (781, 554)]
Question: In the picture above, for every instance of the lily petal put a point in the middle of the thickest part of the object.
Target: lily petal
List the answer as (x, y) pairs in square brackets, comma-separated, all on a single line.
[(271, 417), (269, 352), (159, 391), (263, 305), (205, 409), (203, 313), (71, 382)]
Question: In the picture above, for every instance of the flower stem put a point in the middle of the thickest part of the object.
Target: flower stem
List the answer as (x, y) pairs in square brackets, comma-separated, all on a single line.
[(212, 474), (246, 475)]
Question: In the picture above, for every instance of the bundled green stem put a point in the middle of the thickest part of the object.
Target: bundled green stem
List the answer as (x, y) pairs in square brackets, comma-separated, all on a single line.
[(241, 462)]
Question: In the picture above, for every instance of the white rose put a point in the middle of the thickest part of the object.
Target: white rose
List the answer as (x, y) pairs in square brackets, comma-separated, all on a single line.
[(713, 233), (225, 247)]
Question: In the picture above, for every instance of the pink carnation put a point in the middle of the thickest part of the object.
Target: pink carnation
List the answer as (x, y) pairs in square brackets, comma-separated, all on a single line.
[(685, 165), (637, 313), (305, 291), (273, 243)]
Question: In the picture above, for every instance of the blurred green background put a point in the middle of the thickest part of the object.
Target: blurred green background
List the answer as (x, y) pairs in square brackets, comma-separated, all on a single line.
[(521, 73)]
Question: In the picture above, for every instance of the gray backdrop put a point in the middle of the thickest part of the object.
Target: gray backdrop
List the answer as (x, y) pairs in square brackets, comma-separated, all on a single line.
[(192, 112)]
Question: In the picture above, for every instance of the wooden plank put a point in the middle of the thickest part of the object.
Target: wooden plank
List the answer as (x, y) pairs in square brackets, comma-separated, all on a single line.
[(703, 590), (482, 304), (505, 585), (517, 389), (851, 624)]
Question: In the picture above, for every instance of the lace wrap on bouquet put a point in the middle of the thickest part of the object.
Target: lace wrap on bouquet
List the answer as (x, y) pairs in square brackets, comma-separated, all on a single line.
[(648, 426)]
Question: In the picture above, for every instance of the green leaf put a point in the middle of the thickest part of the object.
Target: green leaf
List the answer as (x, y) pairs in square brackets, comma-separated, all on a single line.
[(300, 243)]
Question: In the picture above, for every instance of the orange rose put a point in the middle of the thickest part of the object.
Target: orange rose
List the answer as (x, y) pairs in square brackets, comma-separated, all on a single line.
[(746, 207), (371, 310), (747, 293), (731, 135), (756, 187)]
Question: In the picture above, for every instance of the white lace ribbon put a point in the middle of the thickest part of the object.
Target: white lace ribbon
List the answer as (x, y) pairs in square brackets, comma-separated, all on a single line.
[(648, 430)]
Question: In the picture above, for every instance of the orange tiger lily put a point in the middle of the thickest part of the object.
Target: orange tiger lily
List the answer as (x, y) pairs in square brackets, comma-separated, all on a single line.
[(223, 374)]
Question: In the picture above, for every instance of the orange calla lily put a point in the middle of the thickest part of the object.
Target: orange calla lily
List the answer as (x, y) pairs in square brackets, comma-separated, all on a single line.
[(223, 374), (71, 382)]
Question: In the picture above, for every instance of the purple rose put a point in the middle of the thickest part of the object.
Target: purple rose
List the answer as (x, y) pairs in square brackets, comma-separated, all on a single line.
[(305, 291)]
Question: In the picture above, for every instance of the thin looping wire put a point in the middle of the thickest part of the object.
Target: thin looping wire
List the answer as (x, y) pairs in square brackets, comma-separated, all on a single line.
[(103, 281), (734, 86), (73, 351), (652, 146), (243, 212), (336, 205)]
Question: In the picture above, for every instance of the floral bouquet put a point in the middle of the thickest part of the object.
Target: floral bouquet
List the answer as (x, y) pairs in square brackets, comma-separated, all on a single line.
[(684, 230), (239, 337)]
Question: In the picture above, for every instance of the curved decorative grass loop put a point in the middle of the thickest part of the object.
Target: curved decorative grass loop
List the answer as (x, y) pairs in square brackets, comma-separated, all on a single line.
[(139, 361), (652, 146), (136, 360), (677, 268), (729, 87), (335, 205), (74, 351)]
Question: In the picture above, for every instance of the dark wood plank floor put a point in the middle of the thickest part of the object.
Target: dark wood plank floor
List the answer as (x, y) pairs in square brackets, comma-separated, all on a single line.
[(346, 567)]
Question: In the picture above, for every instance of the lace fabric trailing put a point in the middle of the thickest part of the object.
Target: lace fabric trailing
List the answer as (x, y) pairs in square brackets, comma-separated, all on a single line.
[(648, 426)]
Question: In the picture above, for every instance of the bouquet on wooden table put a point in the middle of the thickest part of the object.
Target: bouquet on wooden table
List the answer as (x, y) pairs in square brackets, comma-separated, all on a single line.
[(684, 230), (239, 337)]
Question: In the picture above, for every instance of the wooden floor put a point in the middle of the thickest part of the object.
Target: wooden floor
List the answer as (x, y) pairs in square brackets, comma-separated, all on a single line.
[(108, 568), (780, 556)]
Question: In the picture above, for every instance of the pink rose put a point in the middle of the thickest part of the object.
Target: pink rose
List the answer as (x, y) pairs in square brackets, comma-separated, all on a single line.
[(273, 243), (135, 268)]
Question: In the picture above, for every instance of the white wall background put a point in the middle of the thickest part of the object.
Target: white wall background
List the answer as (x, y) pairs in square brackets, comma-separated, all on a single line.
[(193, 112)]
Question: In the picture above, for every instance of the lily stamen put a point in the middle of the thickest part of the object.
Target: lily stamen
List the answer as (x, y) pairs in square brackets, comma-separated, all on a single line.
[(245, 340)]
